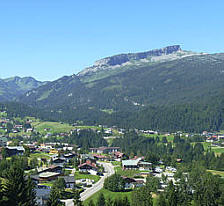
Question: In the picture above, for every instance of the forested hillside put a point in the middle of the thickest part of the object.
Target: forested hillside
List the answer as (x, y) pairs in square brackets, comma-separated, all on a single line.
[(165, 89), (11, 88)]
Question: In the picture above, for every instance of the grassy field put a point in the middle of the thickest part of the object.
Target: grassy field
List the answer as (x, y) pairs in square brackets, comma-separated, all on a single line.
[(217, 150), (107, 194), (79, 176), (215, 172), (169, 138), (39, 155), (126, 173), (54, 127)]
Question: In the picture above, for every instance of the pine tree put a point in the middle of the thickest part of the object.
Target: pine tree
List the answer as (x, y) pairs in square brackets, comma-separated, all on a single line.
[(15, 187), (109, 202), (76, 197), (125, 201), (54, 198), (91, 203), (31, 194), (142, 197), (101, 200), (161, 201), (171, 195)]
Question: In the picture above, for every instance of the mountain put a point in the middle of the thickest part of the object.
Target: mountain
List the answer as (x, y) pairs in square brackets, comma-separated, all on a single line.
[(163, 76), (11, 88), (128, 86)]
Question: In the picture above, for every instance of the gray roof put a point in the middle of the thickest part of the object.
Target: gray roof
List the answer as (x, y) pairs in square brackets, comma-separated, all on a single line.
[(19, 148), (130, 162), (42, 193), (68, 179)]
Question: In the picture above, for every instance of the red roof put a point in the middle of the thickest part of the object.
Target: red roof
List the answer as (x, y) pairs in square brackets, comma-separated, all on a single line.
[(91, 165)]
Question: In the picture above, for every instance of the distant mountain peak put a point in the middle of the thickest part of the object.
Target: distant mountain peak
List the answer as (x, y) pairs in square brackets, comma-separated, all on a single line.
[(123, 58), (113, 62), (15, 86)]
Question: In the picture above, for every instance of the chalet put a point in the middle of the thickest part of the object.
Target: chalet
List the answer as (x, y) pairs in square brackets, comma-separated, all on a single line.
[(105, 150), (69, 156), (89, 167), (85, 157), (18, 150), (59, 161), (119, 156), (131, 183), (100, 157), (68, 148), (48, 176), (69, 181), (136, 164), (18, 126), (52, 168)]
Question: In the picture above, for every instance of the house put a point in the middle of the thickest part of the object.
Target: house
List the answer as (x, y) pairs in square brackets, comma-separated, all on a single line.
[(89, 167), (130, 164), (144, 165), (69, 181), (44, 177), (42, 196), (53, 151), (100, 157), (59, 161), (158, 170), (52, 168), (136, 164), (69, 156), (119, 156), (131, 183), (48, 176), (105, 150), (85, 157), (18, 150)]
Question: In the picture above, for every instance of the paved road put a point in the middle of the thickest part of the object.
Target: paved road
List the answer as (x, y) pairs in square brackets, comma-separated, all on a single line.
[(109, 169)]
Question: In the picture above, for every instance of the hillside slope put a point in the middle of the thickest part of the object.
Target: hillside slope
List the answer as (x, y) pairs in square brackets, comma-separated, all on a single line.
[(12, 88), (183, 80), (163, 90)]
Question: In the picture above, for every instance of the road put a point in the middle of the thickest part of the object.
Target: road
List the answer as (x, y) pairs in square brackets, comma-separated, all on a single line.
[(109, 169)]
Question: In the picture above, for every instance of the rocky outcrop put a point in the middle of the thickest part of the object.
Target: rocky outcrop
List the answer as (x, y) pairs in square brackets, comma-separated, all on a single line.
[(117, 60), (123, 58)]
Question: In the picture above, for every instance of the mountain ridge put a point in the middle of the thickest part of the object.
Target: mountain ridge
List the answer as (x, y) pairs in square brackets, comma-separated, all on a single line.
[(124, 60), (13, 87)]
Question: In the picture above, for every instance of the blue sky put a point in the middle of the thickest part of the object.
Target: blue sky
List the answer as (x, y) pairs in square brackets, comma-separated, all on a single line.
[(48, 39)]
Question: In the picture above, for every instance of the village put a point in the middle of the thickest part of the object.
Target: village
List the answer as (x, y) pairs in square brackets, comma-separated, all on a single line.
[(83, 169)]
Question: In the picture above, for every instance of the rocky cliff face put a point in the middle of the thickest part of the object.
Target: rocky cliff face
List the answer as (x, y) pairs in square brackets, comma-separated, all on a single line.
[(121, 59)]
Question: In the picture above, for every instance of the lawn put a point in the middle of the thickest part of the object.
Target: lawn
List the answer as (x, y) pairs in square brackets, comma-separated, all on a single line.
[(49, 184), (107, 194), (39, 155), (115, 163), (206, 145), (126, 173), (169, 138), (79, 176), (54, 127), (216, 172), (218, 150)]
